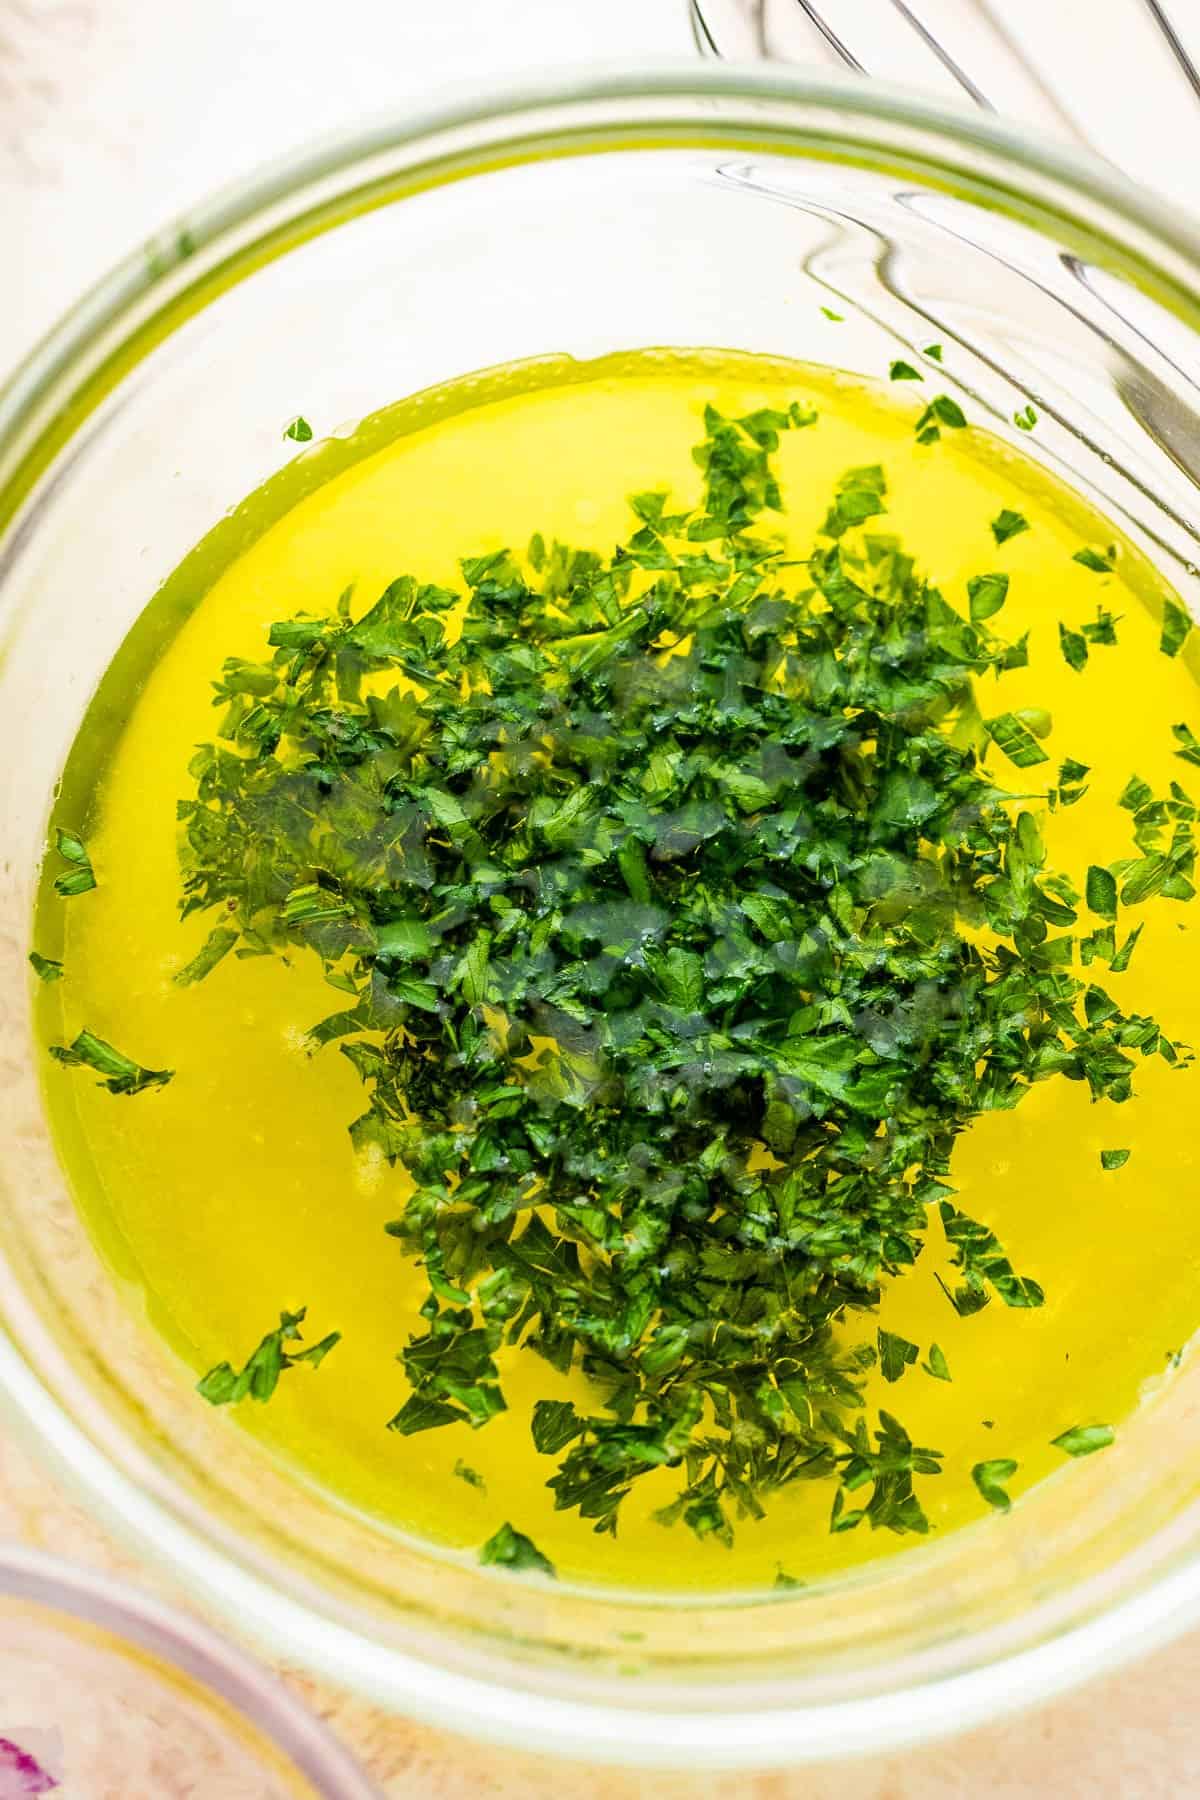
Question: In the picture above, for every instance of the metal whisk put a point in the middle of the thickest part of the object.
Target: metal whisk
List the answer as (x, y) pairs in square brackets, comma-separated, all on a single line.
[(1121, 76)]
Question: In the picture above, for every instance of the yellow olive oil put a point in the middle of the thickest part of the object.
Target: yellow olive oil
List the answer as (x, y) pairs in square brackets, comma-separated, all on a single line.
[(234, 1191)]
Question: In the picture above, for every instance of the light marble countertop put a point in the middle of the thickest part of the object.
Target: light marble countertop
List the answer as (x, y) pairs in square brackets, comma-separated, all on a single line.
[(116, 114)]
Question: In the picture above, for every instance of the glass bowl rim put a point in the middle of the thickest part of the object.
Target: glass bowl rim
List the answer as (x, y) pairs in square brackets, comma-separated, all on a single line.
[(187, 1646), (507, 1711)]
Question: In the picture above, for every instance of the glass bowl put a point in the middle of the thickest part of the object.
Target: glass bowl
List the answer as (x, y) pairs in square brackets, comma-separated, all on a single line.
[(717, 206), (104, 1691)]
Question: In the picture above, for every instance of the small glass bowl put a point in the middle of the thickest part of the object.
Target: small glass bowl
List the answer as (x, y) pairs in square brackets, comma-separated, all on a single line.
[(103, 1691), (701, 206)]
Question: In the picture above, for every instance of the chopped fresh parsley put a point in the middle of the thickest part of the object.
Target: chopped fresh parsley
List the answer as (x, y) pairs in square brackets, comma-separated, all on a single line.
[(895, 1355), (299, 431), (837, 317), (471, 1476), (121, 1074), (1073, 646), (1101, 892), (986, 594), (259, 1376), (989, 1478), (1113, 1159), (45, 967), (934, 350), (1186, 737), (937, 1366), (1092, 559), (629, 867), (1176, 624), (1026, 419), (1083, 1440), (1008, 524), (903, 371), (217, 944), (79, 877), (942, 410), (509, 1549)]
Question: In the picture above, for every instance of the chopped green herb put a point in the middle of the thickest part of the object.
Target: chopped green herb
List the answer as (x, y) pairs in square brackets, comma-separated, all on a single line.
[(45, 967), (299, 431), (895, 1355), (934, 350), (471, 1476), (1014, 736), (1071, 785), (942, 410), (217, 944), (989, 1477), (986, 594), (613, 920), (1083, 1440), (1008, 524), (259, 1377), (80, 878), (1102, 629), (1184, 735), (509, 1549), (1113, 1159), (937, 1366), (1135, 794), (837, 317), (121, 1074), (902, 371), (1073, 646), (1092, 559), (1101, 892), (785, 1583), (1026, 419), (1176, 624)]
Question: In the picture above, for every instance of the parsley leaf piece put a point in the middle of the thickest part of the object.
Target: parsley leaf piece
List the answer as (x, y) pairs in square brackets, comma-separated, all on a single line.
[(987, 594), (1177, 622), (217, 945), (1113, 1159), (937, 1366), (934, 350), (1084, 1440), (259, 1376), (895, 1355), (1092, 559), (555, 1424), (978, 1253), (837, 317), (1074, 647), (1101, 892), (121, 1074), (299, 431), (785, 1583), (509, 1549), (45, 967), (1135, 794), (943, 409), (1102, 629), (989, 1477), (903, 371), (1026, 418), (1183, 734), (471, 1476), (1008, 524), (1012, 735), (80, 878)]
